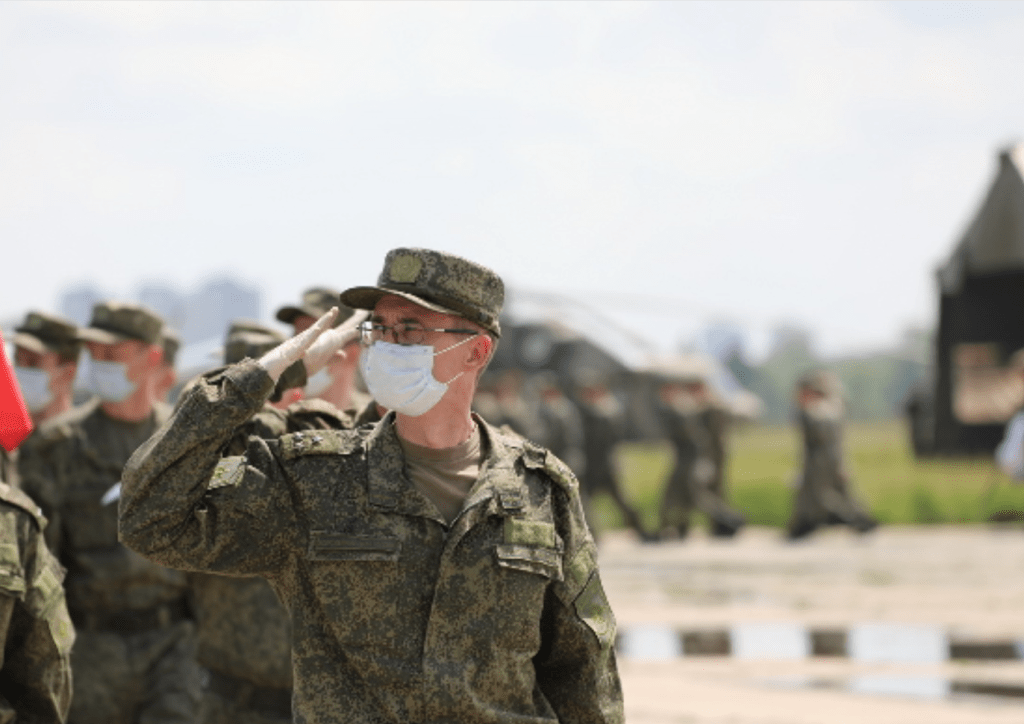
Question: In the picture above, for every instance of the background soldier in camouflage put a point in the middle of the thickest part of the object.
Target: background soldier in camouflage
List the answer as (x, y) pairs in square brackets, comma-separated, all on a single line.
[(683, 406), (823, 496), (604, 420), (170, 343), (46, 350), (561, 422), (434, 568), (134, 660), (36, 632)]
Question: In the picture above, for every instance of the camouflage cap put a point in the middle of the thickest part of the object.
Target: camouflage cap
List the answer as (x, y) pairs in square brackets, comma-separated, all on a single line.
[(42, 332), (439, 281), (316, 302), (171, 342), (114, 322)]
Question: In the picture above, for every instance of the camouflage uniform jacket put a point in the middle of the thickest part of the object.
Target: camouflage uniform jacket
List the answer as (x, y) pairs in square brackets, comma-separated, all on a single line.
[(396, 616), (35, 669), (229, 609), (75, 463)]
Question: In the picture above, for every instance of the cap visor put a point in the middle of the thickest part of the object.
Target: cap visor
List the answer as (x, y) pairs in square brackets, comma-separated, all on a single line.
[(31, 343), (367, 298), (288, 314), (92, 334)]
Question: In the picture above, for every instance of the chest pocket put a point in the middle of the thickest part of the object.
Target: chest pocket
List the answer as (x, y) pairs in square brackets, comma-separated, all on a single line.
[(331, 546), (531, 546)]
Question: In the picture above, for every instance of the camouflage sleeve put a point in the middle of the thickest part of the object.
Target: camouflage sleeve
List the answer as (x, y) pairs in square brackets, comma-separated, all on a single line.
[(576, 667), (186, 506), (38, 481), (36, 630)]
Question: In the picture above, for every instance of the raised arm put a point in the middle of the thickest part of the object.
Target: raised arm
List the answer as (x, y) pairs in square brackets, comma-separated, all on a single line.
[(184, 505)]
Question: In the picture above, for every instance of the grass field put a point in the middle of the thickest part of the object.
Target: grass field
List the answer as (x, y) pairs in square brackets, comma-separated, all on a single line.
[(894, 486)]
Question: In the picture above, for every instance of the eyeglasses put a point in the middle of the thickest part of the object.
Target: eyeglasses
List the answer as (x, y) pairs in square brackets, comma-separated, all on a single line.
[(401, 333)]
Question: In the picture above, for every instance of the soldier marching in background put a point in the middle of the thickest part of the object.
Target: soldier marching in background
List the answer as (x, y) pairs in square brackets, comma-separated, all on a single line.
[(823, 495), (684, 406), (604, 422), (135, 657)]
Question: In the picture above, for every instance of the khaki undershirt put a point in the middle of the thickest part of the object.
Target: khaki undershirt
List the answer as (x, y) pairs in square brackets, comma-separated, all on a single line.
[(444, 475)]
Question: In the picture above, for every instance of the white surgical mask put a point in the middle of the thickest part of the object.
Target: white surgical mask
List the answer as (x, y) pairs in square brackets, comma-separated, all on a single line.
[(35, 387), (401, 377), (318, 383), (110, 381)]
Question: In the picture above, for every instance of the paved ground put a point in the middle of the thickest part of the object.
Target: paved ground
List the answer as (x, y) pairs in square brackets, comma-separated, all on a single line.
[(968, 581)]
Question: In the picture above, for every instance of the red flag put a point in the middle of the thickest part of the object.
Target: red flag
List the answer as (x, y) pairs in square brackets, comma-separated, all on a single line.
[(15, 422)]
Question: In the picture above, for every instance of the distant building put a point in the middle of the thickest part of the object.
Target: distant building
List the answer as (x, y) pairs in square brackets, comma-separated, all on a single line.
[(981, 324)]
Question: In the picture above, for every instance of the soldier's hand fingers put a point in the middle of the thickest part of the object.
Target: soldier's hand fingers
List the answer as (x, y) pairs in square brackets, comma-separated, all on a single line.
[(331, 343), (277, 360)]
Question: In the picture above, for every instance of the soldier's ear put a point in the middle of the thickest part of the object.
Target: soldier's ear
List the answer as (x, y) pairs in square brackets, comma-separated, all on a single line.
[(480, 350)]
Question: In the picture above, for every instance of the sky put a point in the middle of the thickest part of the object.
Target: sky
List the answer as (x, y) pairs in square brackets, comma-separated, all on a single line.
[(669, 165)]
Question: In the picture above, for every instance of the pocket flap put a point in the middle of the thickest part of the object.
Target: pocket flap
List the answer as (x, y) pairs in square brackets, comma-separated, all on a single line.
[(325, 545)]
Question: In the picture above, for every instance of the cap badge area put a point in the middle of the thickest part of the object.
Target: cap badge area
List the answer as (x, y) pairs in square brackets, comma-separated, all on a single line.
[(405, 268)]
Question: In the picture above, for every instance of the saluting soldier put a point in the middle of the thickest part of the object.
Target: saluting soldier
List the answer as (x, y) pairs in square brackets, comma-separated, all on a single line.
[(823, 495), (434, 568), (135, 657), (35, 629)]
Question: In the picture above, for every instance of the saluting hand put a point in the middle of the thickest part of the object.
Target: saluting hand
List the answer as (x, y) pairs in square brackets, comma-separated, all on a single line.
[(277, 360), (332, 342)]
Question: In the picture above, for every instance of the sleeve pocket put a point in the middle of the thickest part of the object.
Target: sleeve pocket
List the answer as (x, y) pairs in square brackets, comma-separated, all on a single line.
[(545, 562)]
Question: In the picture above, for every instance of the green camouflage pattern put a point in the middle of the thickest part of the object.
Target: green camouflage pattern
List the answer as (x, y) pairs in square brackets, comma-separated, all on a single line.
[(114, 322), (436, 280), (77, 460), (36, 631), (396, 616)]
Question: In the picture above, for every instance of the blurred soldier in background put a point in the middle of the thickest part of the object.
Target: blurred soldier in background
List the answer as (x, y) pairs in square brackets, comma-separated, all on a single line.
[(135, 657), (517, 408), (603, 427), (561, 422), (170, 343), (685, 408), (46, 349), (336, 383), (823, 495), (35, 629)]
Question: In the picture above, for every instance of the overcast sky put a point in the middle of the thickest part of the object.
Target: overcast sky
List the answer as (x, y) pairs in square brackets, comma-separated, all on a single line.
[(674, 162)]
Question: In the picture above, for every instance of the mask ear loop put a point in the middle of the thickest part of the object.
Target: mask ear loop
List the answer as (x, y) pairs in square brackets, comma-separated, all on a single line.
[(457, 344)]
